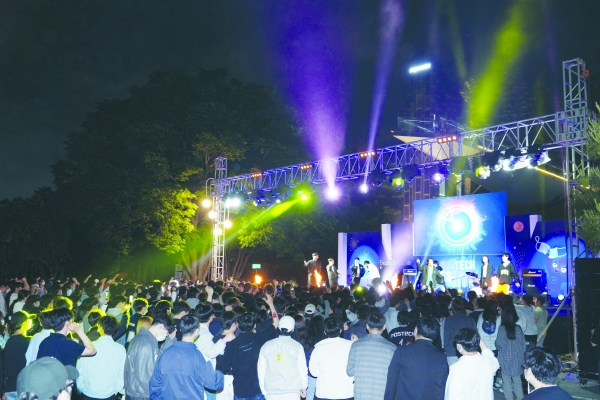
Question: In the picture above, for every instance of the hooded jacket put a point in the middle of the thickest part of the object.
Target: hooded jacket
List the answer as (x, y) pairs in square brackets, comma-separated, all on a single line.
[(282, 367), (328, 364)]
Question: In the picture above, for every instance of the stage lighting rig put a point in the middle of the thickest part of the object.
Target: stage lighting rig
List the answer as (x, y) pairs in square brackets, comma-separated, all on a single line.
[(397, 181), (232, 200), (515, 159), (304, 167), (450, 138), (492, 160), (367, 154), (376, 178), (438, 174), (458, 165), (256, 174), (540, 159), (364, 188), (410, 172)]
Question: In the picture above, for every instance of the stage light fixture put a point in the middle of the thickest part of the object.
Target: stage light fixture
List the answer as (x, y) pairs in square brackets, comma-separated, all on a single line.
[(227, 224), (206, 203), (540, 159), (364, 188), (212, 214), (377, 177), (218, 231), (482, 172), (302, 191), (459, 165), (256, 174), (367, 154), (492, 160), (232, 200), (332, 193), (419, 68), (409, 172), (397, 181), (446, 139), (438, 174), (304, 167), (515, 159)]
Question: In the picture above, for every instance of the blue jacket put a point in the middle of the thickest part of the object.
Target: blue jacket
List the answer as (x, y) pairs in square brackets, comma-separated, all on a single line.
[(181, 372)]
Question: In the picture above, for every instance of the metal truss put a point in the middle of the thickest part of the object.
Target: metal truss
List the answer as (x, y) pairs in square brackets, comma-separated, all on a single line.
[(221, 213), (566, 129)]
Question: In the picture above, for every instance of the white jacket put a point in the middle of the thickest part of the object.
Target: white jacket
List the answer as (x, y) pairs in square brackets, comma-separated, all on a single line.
[(205, 344), (489, 340), (282, 367), (328, 364)]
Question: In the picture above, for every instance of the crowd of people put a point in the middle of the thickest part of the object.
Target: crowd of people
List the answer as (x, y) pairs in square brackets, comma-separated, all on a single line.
[(111, 338)]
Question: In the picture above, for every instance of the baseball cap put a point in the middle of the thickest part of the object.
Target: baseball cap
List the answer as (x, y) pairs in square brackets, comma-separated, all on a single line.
[(310, 309), (45, 377), (288, 323)]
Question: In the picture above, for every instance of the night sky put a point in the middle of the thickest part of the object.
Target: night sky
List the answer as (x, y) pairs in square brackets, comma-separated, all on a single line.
[(59, 58)]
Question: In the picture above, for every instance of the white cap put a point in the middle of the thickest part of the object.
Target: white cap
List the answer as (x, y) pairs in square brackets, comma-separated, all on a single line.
[(287, 323)]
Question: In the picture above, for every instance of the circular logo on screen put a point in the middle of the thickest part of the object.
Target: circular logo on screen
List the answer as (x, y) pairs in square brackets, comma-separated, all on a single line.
[(518, 226), (456, 226)]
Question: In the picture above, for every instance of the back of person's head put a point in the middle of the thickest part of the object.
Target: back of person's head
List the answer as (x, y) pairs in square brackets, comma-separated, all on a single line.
[(428, 327), (139, 304), (144, 322), (545, 365), (332, 327), (218, 310), (204, 312), (468, 338), (45, 319), (490, 312), (164, 320), (62, 302), (94, 317), (363, 311), (188, 325), (58, 317), (471, 295), (528, 299), (541, 300), (162, 307), (228, 318), (180, 306), (509, 318), (403, 317), (109, 325), (375, 321), (116, 300), (458, 305), (246, 322)]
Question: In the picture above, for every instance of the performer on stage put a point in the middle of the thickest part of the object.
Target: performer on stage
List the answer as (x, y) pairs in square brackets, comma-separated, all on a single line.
[(431, 276), (485, 277), (357, 270), (332, 273), (312, 266), (506, 273), (371, 272)]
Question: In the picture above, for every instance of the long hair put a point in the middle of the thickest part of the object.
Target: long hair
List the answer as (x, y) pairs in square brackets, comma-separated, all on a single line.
[(490, 312), (509, 319), (315, 332), (300, 327)]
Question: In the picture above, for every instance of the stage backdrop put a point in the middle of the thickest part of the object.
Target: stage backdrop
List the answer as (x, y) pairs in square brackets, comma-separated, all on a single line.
[(465, 225), (364, 245)]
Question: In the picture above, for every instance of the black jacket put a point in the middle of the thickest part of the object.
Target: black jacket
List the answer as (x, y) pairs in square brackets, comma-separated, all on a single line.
[(488, 275), (507, 273), (417, 372)]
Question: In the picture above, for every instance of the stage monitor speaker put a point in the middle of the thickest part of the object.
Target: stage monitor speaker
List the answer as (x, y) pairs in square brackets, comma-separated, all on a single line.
[(534, 281), (587, 303)]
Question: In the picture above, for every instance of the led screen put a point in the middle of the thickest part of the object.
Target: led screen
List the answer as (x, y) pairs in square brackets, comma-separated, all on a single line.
[(460, 225)]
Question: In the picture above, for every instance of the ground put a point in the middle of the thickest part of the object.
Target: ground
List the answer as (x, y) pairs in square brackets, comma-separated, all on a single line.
[(589, 392)]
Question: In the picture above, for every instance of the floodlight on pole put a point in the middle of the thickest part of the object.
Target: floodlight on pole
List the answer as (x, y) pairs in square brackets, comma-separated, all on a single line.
[(419, 68)]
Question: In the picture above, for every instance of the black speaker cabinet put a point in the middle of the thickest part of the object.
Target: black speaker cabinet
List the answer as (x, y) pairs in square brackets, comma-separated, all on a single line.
[(587, 303), (534, 281)]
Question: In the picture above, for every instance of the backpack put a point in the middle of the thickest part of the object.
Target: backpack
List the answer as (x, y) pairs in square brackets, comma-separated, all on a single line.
[(488, 327)]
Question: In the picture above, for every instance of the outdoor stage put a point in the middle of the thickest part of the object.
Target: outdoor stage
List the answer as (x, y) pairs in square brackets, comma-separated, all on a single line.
[(456, 232)]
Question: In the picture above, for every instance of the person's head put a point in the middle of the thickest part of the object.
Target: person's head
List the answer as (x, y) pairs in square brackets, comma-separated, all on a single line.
[(541, 367), (332, 327), (162, 307), (467, 340), (287, 325), (19, 322), (430, 261), (58, 318), (144, 322), (367, 263), (188, 326), (109, 325), (427, 328), (140, 306), (204, 313), (46, 378), (485, 259), (375, 323), (117, 301), (315, 256), (95, 316), (539, 301), (527, 300), (509, 319), (62, 302), (505, 257), (458, 305), (229, 321), (363, 311), (403, 317), (330, 261), (246, 322), (490, 312), (162, 325), (180, 308), (356, 261), (481, 302)]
